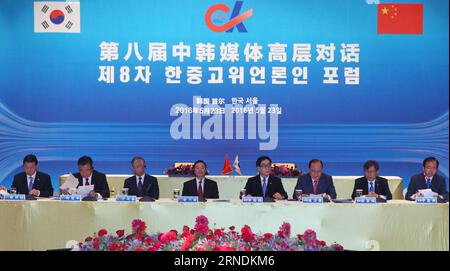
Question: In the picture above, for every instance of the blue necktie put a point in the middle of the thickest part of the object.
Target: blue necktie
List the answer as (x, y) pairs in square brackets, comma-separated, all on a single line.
[(371, 187), (428, 183), (30, 184), (264, 187)]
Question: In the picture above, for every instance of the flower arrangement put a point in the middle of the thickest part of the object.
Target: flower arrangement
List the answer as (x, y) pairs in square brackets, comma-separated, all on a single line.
[(203, 238), (285, 171), (180, 170)]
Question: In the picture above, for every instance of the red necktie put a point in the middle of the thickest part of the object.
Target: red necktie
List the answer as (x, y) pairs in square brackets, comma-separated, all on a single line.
[(200, 190), (316, 182)]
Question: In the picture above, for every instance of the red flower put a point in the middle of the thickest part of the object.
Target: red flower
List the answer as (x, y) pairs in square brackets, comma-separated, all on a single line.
[(157, 245), (247, 234), (138, 249), (185, 234), (232, 228), (95, 244), (168, 237), (138, 226), (224, 248), (102, 232), (218, 233), (321, 243), (201, 229), (185, 228), (187, 243), (148, 240), (267, 236), (88, 239), (120, 233), (112, 247)]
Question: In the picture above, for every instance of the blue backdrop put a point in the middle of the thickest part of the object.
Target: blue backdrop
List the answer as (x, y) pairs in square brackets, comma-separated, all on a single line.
[(52, 103)]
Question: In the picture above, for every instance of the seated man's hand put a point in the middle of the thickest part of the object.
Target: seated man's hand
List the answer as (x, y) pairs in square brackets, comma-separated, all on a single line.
[(64, 191), (277, 196), (35, 192), (93, 194), (371, 194), (3, 188)]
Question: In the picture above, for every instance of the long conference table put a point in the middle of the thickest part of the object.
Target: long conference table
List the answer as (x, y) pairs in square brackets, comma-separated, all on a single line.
[(229, 186), (396, 225)]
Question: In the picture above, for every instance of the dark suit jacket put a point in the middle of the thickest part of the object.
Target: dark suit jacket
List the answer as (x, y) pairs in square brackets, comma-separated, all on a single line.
[(381, 187), (98, 180), (325, 185), (42, 182), (418, 182), (210, 189), (150, 186), (274, 185)]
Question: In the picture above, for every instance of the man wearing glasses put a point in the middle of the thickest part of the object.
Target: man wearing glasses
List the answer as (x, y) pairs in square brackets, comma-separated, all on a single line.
[(371, 184), (316, 182), (264, 185)]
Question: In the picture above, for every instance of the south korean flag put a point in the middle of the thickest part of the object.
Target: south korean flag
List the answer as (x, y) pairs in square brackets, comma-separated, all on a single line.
[(56, 17)]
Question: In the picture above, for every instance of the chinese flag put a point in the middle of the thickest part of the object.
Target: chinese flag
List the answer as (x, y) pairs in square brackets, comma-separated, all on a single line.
[(400, 18), (227, 166)]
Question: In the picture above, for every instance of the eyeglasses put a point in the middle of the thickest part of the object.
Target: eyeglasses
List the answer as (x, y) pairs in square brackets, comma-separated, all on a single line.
[(265, 166)]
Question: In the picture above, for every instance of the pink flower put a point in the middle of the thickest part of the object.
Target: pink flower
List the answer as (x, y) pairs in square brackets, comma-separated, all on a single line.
[(201, 219), (309, 236), (267, 236), (337, 247), (138, 226), (120, 233), (201, 226), (102, 232), (285, 230), (247, 234)]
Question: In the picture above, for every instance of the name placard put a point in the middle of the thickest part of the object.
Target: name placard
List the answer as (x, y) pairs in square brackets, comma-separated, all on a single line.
[(70, 197), (312, 200), (252, 199), (426, 200), (14, 197), (366, 200), (187, 199), (126, 198)]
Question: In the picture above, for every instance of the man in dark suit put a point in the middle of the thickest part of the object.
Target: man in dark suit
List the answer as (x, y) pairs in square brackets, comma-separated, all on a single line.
[(428, 179), (316, 182), (31, 181), (200, 186), (371, 184), (141, 184), (89, 176), (264, 185)]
